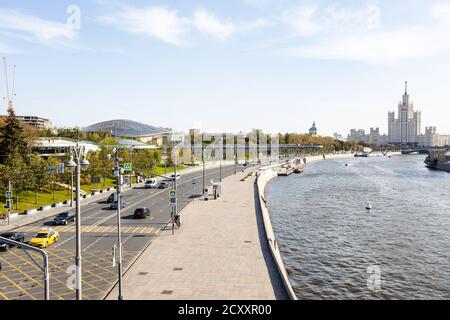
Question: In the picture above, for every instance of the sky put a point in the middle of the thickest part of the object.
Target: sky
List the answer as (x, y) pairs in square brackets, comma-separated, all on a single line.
[(227, 66)]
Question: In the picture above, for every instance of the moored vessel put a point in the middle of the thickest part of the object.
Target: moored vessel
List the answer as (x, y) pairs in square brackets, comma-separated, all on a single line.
[(438, 160)]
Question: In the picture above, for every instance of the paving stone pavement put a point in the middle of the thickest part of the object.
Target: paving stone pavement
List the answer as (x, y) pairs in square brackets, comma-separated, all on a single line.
[(219, 253)]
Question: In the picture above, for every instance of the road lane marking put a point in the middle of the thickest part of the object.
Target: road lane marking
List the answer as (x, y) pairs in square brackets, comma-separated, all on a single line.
[(51, 266), (17, 285)]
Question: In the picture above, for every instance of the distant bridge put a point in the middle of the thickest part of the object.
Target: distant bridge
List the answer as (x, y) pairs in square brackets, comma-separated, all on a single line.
[(422, 150)]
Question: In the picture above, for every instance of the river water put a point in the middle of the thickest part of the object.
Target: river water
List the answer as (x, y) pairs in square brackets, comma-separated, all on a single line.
[(333, 248)]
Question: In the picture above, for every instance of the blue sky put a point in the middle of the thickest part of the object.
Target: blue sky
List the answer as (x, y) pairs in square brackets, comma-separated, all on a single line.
[(229, 65)]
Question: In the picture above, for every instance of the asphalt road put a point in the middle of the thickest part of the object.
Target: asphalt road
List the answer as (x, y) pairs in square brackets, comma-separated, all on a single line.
[(20, 278)]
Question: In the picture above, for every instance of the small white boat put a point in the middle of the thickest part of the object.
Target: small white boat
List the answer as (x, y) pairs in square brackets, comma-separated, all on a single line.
[(368, 206)]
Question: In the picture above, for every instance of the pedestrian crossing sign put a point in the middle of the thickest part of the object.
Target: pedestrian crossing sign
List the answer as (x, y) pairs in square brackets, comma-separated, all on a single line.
[(127, 166), (8, 194)]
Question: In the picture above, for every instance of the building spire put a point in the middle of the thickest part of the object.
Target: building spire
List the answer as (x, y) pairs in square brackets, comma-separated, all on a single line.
[(406, 87)]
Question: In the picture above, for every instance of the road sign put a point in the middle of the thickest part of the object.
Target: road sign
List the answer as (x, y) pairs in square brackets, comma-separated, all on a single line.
[(127, 166), (173, 200), (8, 194), (173, 204), (51, 169), (172, 194), (194, 182), (60, 168)]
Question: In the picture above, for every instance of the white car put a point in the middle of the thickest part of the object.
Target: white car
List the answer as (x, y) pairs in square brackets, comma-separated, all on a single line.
[(151, 183)]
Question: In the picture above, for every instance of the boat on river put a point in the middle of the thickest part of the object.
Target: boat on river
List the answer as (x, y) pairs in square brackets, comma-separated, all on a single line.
[(438, 160)]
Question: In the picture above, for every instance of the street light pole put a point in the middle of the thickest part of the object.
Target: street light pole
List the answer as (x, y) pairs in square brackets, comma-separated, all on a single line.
[(174, 206), (78, 235), (9, 204), (203, 160), (78, 152), (131, 162), (71, 189), (118, 172), (235, 157)]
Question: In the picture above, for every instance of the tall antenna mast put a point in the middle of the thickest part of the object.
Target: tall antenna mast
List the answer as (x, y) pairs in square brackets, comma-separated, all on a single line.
[(6, 80)]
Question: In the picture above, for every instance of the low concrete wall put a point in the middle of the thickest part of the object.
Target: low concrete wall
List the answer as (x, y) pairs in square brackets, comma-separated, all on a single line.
[(265, 174), (30, 211)]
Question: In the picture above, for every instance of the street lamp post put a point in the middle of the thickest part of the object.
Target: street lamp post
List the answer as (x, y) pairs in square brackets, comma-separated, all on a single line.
[(131, 162), (203, 160), (79, 153), (118, 172), (71, 189)]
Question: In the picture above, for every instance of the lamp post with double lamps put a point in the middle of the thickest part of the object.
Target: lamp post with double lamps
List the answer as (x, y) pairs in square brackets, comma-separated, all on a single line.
[(78, 162)]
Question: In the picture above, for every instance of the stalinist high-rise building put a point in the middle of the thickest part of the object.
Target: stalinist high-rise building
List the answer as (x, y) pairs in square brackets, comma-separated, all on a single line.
[(407, 128)]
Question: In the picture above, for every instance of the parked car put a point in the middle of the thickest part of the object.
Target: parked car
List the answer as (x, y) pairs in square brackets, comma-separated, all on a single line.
[(64, 218), (113, 205), (151, 183), (163, 185), (112, 197), (141, 213), (16, 236), (44, 238)]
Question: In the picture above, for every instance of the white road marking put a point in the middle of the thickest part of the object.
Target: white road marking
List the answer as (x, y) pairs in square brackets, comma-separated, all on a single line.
[(93, 243)]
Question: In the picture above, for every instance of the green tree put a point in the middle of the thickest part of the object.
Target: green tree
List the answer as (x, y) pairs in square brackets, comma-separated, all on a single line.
[(13, 141), (39, 179)]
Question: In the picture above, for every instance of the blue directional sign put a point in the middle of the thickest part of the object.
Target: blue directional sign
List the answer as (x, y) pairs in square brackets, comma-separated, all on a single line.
[(51, 169), (173, 200), (172, 194)]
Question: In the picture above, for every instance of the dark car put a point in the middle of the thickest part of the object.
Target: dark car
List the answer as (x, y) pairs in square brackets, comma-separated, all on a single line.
[(141, 213), (112, 197), (113, 205), (163, 185), (64, 218), (16, 236)]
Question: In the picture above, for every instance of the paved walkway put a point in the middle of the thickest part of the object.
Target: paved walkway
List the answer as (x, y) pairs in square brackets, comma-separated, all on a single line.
[(219, 253)]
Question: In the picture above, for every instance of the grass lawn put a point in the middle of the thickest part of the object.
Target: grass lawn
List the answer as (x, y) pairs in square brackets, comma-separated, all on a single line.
[(160, 169), (27, 200), (98, 186)]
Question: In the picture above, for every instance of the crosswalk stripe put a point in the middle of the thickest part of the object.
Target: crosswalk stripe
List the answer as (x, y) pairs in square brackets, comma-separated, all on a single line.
[(97, 229)]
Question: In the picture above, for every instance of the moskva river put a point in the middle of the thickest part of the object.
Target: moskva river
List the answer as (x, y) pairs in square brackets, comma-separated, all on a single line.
[(333, 248)]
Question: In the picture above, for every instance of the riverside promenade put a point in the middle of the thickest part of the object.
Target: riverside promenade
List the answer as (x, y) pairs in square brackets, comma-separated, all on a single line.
[(220, 252)]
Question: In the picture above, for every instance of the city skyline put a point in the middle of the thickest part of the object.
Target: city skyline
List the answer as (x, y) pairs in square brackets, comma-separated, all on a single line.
[(277, 66)]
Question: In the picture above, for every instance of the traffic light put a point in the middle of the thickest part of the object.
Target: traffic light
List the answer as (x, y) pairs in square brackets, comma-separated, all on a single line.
[(9, 203)]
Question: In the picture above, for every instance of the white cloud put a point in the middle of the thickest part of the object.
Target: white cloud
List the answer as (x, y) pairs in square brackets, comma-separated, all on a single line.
[(160, 23), (302, 21), (42, 29), (207, 23), (170, 27), (380, 47), (357, 34), (441, 12)]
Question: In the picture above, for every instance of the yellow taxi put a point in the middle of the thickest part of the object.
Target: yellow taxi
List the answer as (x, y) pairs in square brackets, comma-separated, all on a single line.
[(44, 238)]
